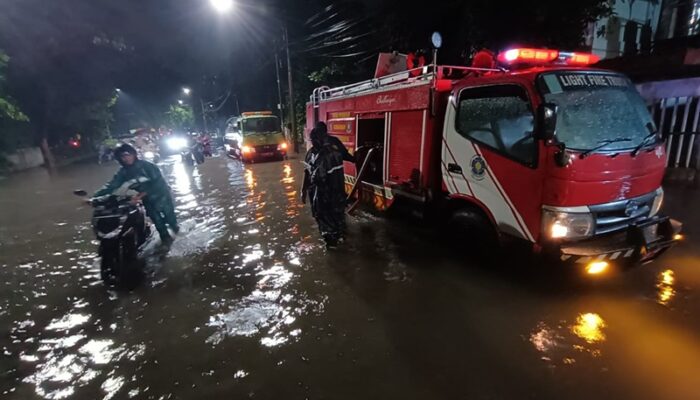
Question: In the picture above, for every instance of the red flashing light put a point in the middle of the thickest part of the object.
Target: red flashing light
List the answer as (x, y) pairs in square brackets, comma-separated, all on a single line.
[(583, 58), (514, 56)]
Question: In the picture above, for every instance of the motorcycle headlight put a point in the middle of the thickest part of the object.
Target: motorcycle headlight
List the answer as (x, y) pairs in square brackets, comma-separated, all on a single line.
[(658, 202), (177, 143), (567, 225)]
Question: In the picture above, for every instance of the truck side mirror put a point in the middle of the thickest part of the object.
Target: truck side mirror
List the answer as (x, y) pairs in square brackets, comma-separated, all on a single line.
[(547, 118)]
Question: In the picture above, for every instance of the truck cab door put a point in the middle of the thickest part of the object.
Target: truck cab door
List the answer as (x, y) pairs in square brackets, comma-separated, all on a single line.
[(490, 156)]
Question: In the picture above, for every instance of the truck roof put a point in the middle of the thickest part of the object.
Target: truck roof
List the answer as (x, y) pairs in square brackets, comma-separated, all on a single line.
[(406, 79)]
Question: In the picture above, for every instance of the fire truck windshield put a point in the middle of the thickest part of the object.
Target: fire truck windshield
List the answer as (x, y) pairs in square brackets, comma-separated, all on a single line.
[(594, 108), (260, 125)]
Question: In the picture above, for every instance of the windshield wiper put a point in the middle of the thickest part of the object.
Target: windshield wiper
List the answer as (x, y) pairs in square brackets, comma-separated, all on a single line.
[(645, 142), (603, 143)]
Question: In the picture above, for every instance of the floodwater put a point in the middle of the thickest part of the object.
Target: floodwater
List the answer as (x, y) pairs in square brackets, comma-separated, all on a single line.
[(249, 304)]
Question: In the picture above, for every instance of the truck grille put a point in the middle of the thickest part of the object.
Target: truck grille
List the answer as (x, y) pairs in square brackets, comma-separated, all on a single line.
[(618, 215)]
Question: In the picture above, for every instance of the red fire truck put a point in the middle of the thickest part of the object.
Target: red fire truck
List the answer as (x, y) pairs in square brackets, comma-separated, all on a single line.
[(543, 148)]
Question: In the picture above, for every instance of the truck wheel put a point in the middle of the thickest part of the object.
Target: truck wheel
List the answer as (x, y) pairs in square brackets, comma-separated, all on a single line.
[(468, 228)]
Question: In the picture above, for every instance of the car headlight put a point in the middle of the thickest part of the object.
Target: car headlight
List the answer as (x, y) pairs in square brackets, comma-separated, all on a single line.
[(247, 149), (658, 202), (567, 225), (177, 143), (282, 146)]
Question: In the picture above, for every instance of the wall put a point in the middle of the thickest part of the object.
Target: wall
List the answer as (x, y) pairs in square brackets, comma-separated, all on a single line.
[(610, 44), (25, 159)]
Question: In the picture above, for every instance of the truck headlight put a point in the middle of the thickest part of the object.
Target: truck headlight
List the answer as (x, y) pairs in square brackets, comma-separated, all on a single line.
[(658, 202), (567, 225)]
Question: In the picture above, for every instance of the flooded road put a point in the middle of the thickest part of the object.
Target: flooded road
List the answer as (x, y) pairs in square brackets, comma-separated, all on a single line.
[(249, 304)]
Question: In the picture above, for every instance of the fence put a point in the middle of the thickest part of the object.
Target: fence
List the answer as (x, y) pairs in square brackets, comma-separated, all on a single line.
[(675, 107), (677, 119)]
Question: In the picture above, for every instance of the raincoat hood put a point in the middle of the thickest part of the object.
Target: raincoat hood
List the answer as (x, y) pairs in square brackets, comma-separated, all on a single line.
[(319, 134), (124, 148)]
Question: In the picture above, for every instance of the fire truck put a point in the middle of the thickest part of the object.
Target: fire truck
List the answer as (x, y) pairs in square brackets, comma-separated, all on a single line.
[(542, 148)]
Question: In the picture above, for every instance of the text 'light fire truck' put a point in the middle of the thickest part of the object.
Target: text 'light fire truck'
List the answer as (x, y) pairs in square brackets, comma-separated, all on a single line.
[(538, 146)]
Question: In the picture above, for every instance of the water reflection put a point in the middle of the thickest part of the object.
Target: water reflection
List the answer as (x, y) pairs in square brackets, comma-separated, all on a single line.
[(666, 292), (561, 344), (250, 179), (589, 327)]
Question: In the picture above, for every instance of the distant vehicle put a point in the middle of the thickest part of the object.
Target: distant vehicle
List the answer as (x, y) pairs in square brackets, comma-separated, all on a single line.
[(256, 136), (536, 147), (190, 149)]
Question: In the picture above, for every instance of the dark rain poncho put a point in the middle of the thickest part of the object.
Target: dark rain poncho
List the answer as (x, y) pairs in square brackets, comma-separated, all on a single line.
[(324, 184)]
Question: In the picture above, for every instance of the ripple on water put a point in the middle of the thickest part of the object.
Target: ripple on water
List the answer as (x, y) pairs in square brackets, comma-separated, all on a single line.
[(267, 312)]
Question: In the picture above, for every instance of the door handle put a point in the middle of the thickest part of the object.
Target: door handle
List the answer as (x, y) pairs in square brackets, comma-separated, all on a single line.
[(454, 168)]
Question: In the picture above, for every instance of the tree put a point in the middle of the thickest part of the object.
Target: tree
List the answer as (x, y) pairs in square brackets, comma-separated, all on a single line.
[(64, 61), (180, 117), (8, 107)]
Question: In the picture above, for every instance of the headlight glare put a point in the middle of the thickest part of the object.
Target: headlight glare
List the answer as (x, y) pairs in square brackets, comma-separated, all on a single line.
[(566, 225)]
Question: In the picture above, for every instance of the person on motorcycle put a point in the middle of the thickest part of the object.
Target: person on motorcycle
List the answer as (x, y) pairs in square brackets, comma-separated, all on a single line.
[(152, 187)]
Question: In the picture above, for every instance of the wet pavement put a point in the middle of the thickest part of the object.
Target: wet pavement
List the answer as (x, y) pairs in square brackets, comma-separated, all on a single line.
[(249, 304)]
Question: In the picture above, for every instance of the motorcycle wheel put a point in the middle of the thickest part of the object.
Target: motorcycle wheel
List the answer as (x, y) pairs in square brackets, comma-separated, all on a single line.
[(109, 253), (187, 159), (128, 258)]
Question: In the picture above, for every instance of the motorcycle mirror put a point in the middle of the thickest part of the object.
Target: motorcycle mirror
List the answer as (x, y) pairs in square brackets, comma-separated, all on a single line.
[(80, 192)]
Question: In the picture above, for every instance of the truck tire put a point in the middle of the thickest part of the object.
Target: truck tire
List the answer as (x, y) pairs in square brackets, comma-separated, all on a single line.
[(471, 229)]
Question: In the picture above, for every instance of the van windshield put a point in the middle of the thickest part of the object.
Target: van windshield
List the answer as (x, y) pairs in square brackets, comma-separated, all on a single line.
[(596, 108), (260, 125)]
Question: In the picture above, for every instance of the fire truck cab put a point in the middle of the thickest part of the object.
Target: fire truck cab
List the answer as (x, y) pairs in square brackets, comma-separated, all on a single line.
[(545, 149)]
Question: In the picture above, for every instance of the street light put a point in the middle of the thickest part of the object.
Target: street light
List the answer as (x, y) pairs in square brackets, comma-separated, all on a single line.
[(180, 102), (186, 91), (222, 6), (118, 90)]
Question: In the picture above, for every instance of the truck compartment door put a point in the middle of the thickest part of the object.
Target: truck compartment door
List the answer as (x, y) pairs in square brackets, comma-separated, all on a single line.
[(405, 146)]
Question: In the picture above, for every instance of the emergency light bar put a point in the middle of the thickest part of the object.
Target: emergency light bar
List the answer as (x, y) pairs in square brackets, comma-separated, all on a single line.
[(514, 56), (545, 56)]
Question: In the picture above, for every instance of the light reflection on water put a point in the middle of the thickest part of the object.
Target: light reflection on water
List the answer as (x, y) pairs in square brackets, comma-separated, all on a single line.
[(665, 283), (84, 344), (563, 344)]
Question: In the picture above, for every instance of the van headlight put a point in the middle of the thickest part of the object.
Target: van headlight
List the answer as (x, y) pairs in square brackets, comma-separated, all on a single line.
[(567, 225), (658, 202)]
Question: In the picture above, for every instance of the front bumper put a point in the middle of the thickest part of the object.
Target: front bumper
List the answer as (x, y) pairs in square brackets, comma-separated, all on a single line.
[(264, 155), (639, 243)]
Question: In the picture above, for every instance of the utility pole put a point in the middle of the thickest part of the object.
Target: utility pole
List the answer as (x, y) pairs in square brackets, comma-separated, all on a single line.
[(292, 120), (279, 86), (204, 115)]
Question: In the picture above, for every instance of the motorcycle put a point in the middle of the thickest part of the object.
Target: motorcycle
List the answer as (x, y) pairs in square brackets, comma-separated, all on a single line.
[(121, 228), (206, 146), (192, 154), (149, 152)]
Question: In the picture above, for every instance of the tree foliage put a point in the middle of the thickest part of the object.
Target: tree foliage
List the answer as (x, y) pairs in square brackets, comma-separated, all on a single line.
[(8, 106), (180, 117)]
